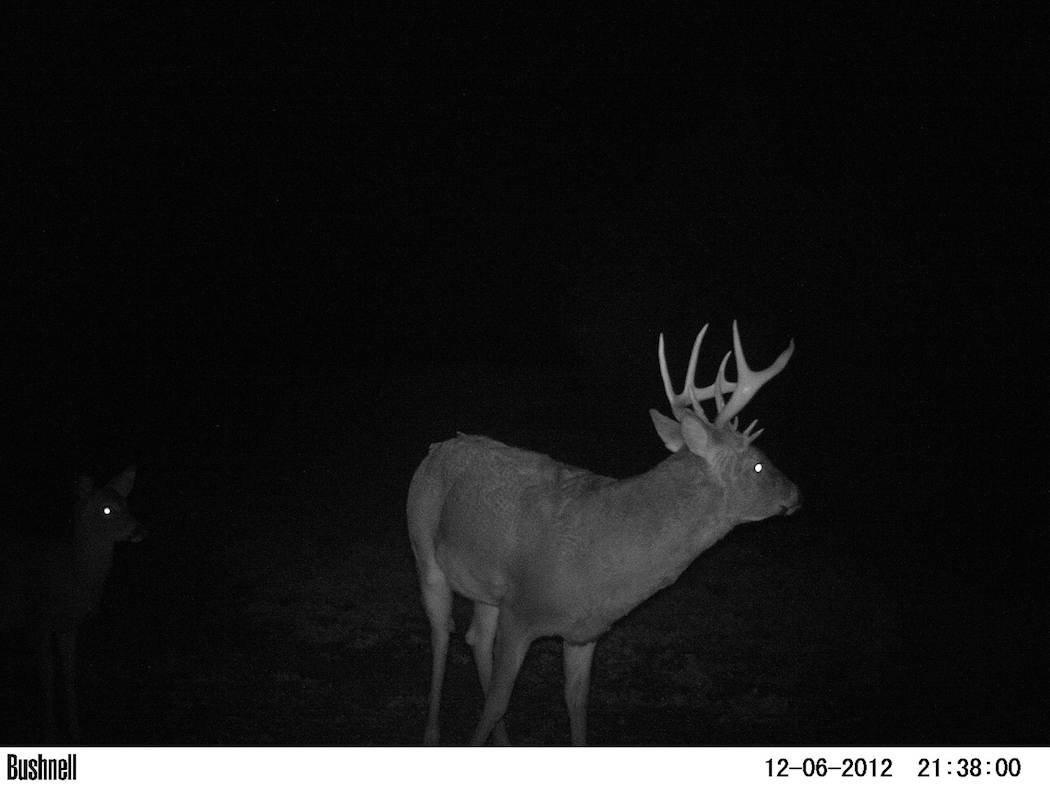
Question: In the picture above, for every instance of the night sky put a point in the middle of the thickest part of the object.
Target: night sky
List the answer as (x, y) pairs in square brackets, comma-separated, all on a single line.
[(215, 215)]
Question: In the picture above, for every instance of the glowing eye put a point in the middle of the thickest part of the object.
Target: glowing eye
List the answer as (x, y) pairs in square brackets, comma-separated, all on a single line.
[(758, 467), (106, 511)]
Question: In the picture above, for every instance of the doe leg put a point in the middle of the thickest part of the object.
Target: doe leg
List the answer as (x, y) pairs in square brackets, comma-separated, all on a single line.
[(481, 636), (67, 663), (46, 666), (577, 681)]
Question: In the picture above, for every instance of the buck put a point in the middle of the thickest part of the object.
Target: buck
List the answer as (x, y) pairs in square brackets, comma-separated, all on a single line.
[(50, 586), (543, 548)]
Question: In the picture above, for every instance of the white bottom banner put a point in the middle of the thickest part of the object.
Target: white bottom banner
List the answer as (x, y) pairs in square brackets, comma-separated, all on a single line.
[(529, 767)]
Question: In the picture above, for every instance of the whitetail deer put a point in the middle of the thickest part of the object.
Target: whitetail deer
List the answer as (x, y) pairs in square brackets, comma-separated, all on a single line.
[(543, 548), (51, 585)]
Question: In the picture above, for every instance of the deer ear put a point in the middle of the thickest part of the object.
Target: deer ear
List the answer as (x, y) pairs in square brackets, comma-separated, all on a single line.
[(669, 430), (697, 435), (84, 485), (123, 482)]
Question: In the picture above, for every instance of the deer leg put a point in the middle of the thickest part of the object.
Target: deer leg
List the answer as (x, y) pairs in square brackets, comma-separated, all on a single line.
[(481, 636), (46, 666), (437, 599), (67, 663), (512, 641), (577, 682)]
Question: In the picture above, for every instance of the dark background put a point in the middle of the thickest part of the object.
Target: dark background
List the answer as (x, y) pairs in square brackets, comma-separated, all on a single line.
[(270, 255)]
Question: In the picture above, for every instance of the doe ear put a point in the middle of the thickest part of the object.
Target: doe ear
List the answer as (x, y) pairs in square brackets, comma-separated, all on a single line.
[(123, 482), (669, 430), (84, 485), (697, 436)]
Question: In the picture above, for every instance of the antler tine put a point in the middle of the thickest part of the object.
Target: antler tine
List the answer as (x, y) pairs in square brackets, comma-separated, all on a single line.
[(749, 381), (690, 373), (667, 377), (690, 394), (748, 435), (721, 384)]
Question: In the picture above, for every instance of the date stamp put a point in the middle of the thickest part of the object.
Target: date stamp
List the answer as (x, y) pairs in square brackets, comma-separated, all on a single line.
[(974, 767)]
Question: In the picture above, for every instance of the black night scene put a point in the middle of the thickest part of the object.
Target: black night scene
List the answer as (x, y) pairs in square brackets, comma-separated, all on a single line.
[(268, 256)]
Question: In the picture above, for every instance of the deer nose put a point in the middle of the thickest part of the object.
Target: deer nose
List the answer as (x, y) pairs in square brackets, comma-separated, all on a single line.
[(793, 506), (138, 533)]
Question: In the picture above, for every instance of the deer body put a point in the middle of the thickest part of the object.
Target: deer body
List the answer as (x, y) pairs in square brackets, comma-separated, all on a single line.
[(543, 548), (50, 586), (582, 549)]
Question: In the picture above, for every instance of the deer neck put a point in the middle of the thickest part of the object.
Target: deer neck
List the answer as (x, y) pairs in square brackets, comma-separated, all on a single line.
[(643, 533), (680, 505), (92, 559)]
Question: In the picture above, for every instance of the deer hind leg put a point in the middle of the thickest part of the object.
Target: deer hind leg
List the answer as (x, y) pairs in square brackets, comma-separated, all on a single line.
[(67, 665), (512, 641), (437, 599), (577, 682), (481, 636)]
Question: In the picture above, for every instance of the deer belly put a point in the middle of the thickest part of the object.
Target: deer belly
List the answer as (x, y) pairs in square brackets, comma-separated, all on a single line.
[(474, 574)]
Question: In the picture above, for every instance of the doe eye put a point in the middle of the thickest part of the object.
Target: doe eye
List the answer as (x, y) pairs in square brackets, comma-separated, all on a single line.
[(106, 511), (758, 467)]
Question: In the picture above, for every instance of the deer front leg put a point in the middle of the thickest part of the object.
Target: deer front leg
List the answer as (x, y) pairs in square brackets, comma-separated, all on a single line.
[(67, 662), (46, 667), (512, 641), (577, 681), (481, 636)]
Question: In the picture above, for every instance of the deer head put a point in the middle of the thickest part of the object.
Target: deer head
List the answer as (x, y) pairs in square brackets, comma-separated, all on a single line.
[(754, 488)]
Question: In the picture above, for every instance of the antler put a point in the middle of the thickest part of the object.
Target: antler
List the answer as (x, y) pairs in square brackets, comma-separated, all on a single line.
[(690, 394), (748, 382), (747, 385)]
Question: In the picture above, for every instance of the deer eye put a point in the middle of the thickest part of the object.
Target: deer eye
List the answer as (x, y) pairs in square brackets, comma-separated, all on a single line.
[(758, 467), (107, 511)]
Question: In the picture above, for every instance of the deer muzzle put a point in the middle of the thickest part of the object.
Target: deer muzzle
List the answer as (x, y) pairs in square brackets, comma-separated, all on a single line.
[(794, 504)]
